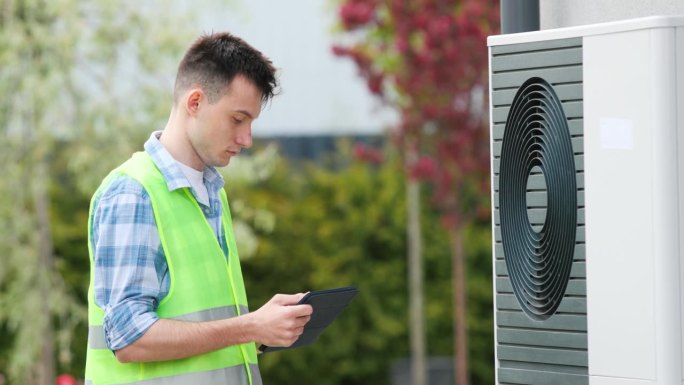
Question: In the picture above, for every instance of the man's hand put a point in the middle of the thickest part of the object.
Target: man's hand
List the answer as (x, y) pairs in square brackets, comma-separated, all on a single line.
[(280, 321)]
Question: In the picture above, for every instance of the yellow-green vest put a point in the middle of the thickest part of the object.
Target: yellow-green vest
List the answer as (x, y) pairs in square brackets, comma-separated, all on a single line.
[(203, 287)]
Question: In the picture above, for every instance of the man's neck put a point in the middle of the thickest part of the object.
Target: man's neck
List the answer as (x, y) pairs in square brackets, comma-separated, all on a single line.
[(176, 142)]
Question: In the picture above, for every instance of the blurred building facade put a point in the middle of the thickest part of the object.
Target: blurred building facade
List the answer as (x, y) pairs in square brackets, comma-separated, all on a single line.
[(563, 13)]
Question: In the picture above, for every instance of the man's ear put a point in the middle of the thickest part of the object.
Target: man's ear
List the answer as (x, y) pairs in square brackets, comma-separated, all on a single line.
[(193, 99)]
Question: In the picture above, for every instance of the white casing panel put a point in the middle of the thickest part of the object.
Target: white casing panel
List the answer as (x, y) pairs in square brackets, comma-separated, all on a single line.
[(633, 316)]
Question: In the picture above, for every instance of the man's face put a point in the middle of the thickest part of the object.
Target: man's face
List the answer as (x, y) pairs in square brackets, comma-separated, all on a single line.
[(223, 128)]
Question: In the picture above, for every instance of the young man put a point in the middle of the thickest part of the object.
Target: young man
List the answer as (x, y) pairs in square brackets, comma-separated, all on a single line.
[(166, 292)]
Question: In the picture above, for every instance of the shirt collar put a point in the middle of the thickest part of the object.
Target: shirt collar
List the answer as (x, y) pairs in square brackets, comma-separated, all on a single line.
[(171, 171)]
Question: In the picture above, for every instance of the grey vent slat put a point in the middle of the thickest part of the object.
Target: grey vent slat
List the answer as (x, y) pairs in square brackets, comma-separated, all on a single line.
[(580, 237), (540, 367), (579, 165), (541, 338), (557, 322), (536, 46), (574, 305), (579, 252), (498, 252), (574, 126), (495, 181), (503, 97), (530, 377), (576, 287), (572, 110), (536, 198), (578, 147), (497, 135), (578, 269), (580, 182), (541, 355), (497, 148), (537, 216), (500, 114), (533, 59), (551, 75), (537, 181), (565, 92), (496, 162)]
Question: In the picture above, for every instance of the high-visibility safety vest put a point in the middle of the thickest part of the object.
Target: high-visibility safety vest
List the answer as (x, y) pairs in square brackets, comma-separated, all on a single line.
[(203, 288)]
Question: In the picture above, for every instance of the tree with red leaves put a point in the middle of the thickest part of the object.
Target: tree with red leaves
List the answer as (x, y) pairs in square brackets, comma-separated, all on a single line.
[(428, 60)]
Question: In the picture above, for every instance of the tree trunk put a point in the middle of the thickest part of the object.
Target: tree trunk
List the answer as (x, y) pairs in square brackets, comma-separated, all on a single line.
[(460, 320), (46, 363), (415, 273)]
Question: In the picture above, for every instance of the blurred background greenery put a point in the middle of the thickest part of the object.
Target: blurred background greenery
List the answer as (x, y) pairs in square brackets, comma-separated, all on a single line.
[(81, 90)]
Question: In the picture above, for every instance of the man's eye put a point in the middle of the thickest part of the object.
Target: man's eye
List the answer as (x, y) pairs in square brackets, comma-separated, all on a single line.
[(237, 120)]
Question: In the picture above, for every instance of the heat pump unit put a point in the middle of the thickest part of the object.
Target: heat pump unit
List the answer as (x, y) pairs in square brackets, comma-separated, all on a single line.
[(587, 128)]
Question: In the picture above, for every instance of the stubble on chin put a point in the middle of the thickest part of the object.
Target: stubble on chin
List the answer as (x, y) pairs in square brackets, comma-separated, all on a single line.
[(222, 162)]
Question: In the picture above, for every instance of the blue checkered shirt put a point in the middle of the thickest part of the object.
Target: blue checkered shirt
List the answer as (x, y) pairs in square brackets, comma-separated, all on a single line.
[(131, 273)]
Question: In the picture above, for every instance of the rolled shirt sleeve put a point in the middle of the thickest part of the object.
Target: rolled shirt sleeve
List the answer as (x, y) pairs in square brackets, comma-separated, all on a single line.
[(130, 270)]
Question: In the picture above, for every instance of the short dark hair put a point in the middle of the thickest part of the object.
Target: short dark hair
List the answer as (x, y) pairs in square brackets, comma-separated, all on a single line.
[(213, 61)]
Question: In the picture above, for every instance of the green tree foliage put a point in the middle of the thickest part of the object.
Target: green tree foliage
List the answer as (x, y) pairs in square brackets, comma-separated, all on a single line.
[(61, 64), (345, 225)]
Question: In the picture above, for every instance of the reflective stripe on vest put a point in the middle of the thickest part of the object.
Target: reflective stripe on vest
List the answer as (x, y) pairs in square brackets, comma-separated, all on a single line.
[(96, 337), (234, 375), (203, 287)]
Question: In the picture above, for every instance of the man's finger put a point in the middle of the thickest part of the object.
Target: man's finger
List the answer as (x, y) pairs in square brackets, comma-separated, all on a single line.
[(302, 310), (287, 299)]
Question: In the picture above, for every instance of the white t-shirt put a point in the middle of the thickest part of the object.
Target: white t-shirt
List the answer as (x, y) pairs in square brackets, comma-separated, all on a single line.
[(196, 179)]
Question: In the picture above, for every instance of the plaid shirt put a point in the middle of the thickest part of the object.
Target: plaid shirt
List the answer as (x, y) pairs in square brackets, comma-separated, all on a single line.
[(131, 273)]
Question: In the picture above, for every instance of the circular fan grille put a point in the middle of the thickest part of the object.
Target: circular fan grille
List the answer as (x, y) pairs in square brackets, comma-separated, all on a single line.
[(536, 144)]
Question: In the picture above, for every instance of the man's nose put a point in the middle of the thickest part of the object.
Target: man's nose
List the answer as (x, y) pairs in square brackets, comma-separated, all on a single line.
[(244, 138)]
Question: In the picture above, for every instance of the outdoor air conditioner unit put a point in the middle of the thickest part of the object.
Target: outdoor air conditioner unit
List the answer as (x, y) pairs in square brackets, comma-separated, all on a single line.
[(587, 128)]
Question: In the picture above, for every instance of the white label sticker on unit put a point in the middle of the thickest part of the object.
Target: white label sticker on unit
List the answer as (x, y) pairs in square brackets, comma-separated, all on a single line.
[(617, 134)]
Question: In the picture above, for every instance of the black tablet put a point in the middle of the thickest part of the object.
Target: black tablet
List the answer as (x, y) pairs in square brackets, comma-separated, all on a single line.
[(327, 305)]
